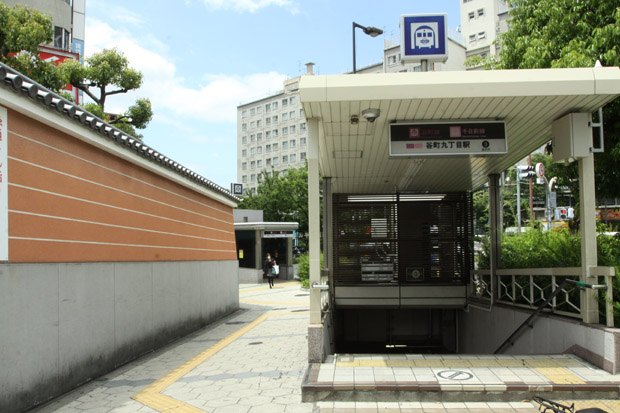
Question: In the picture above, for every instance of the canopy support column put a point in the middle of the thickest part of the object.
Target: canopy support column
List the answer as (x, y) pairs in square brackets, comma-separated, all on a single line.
[(587, 217)]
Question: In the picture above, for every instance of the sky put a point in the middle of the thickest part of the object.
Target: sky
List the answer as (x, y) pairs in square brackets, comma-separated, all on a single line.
[(202, 58)]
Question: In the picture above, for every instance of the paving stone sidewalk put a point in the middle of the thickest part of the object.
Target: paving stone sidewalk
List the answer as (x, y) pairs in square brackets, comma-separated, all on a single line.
[(252, 361)]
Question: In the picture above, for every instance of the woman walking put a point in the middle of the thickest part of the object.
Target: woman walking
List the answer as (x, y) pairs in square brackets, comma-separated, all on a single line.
[(268, 269)]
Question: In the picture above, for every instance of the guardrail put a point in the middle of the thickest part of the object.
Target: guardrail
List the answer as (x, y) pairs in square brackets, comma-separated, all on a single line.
[(530, 287)]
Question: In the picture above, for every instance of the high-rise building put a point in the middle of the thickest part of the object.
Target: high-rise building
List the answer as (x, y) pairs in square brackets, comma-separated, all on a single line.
[(271, 134), (481, 22)]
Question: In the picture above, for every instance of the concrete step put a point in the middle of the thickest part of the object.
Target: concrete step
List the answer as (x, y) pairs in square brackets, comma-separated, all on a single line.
[(462, 378)]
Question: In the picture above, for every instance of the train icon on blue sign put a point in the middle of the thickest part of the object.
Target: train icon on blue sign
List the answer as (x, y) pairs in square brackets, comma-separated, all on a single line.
[(424, 36)]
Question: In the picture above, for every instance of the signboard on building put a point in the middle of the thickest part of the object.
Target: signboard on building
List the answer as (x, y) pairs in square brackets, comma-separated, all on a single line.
[(236, 189), (4, 187), (278, 234), (424, 37), (447, 138), (58, 56)]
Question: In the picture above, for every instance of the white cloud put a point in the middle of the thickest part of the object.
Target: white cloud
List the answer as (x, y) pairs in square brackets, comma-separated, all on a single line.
[(251, 5), (215, 101)]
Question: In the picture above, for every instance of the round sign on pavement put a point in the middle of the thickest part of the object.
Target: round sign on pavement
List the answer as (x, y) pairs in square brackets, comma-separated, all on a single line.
[(455, 375)]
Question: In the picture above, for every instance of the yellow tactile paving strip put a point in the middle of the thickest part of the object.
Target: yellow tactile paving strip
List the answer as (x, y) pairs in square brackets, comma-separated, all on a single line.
[(152, 395), (560, 375), (606, 405), (547, 365)]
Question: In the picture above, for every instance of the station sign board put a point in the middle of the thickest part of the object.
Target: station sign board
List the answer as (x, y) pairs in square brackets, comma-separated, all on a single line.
[(420, 139), (424, 37), (278, 234)]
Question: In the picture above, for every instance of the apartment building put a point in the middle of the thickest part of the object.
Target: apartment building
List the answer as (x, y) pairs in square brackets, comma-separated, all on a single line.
[(271, 134), (481, 23)]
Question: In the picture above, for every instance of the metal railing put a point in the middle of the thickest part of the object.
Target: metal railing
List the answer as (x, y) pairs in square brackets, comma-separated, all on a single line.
[(530, 287)]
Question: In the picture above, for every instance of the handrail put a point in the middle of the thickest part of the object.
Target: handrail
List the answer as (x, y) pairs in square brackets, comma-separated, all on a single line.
[(535, 314)]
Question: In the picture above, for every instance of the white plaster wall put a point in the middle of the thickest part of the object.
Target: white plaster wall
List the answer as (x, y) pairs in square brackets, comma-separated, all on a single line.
[(64, 324)]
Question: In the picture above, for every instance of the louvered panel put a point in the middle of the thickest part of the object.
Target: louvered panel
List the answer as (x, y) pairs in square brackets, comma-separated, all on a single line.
[(424, 242)]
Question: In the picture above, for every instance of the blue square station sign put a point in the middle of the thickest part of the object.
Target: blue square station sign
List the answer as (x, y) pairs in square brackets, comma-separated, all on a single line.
[(424, 37)]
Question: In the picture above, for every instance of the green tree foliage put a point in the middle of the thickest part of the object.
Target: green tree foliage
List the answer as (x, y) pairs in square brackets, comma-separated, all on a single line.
[(22, 30), (282, 196), (569, 33), (105, 74)]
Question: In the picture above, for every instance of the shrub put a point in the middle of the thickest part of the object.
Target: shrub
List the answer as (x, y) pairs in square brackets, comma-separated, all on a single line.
[(303, 270)]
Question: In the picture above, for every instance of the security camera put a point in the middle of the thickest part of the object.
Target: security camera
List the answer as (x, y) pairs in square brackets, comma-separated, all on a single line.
[(370, 114)]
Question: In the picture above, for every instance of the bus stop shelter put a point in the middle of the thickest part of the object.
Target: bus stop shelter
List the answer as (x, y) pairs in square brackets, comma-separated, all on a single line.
[(349, 120)]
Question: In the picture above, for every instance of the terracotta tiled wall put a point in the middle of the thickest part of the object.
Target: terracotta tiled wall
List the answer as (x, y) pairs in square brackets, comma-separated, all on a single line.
[(72, 202)]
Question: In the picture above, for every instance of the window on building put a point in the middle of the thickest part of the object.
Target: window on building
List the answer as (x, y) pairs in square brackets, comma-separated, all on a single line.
[(284, 159), (253, 165), (301, 113), (480, 12), (274, 147), (62, 38), (259, 137), (276, 161), (267, 121), (284, 116), (268, 107), (244, 140), (291, 100), (302, 141), (284, 145), (302, 156), (259, 177), (244, 153), (291, 129), (291, 115), (252, 112), (274, 133), (252, 151), (275, 119), (302, 126), (268, 162), (244, 126), (244, 179), (252, 138), (482, 35), (472, 38), (244, 114), (284, 102), (267, 148), (258, 123), (259, 163), (471, 15), (259, 150), (392, 60), (244, 166), (267, 135), (259, 110), (274, 105), (253, 178), (285, 130), (292, 143), (293, 158), (253, 124)]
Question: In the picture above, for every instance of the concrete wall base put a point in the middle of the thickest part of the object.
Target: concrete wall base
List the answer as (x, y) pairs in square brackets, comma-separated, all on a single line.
[(551, 334), (65, 324), (255, 276), (316, 351)]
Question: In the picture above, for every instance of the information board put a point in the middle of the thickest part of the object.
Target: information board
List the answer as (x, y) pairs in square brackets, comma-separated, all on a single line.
[(447, 138)]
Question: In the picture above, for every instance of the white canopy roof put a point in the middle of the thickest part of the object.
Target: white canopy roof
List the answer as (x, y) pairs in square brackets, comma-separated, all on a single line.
[(356, 156)]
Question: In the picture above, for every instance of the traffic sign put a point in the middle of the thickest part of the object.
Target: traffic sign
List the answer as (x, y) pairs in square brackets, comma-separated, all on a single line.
[(540, 170), (424, 37)]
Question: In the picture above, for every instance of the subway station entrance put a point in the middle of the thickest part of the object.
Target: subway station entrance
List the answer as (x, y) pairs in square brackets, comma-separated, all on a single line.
[(399, 164)]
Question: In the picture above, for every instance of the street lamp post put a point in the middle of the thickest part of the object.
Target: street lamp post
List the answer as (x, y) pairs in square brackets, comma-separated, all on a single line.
[(371, 31)]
